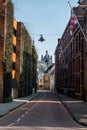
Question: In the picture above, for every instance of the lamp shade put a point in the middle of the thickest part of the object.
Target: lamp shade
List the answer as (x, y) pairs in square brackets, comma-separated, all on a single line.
[(41, 38)]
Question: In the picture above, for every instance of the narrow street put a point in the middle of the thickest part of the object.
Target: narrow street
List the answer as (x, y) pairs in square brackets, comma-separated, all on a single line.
[(44, 112)]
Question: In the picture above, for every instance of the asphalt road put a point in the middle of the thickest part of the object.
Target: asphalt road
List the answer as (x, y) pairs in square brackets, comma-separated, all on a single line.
[(44, 112)]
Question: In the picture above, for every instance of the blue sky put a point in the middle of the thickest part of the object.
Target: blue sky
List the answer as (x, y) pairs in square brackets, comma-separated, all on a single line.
[(47, 17)]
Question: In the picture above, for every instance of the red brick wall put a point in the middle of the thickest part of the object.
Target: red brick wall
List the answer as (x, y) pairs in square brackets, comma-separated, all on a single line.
[(18, 58), (1, 48)]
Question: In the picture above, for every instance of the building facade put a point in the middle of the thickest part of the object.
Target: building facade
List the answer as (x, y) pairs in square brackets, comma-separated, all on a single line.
[(18, 59), (43, 64), (2, 17), (71, 57), (24, 60), (34, 69), (6, 48), (49, 78)]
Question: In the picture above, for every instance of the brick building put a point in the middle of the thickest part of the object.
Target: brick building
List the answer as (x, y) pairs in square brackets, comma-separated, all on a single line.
[(34, 68), (6, 48), (18, 57), (71, 57), (2, 16), (26, 65), (48, 78), (14, 59)]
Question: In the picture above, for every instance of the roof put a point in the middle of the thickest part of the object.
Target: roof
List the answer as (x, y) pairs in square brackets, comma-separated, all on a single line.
[(83, 4), (78, 11), (49, 68)]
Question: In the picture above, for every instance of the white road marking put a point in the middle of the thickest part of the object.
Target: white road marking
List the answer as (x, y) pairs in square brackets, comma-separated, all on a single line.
[(18, 119), (22, 116), (27, 111), (36, 103), (11, 124)]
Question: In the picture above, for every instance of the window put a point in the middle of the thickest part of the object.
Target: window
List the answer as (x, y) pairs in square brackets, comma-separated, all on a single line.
[(14, 49), (78, 85), (76, 44), (78, 64), (13, 66), (79, 39), (14, 31)]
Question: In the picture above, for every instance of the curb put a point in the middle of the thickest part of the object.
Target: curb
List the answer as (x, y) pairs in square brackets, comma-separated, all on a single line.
[(24, 102), (19, 105), (71, 112)]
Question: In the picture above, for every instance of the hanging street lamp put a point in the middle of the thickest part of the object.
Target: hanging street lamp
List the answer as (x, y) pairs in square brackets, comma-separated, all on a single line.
[(41, 38)]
